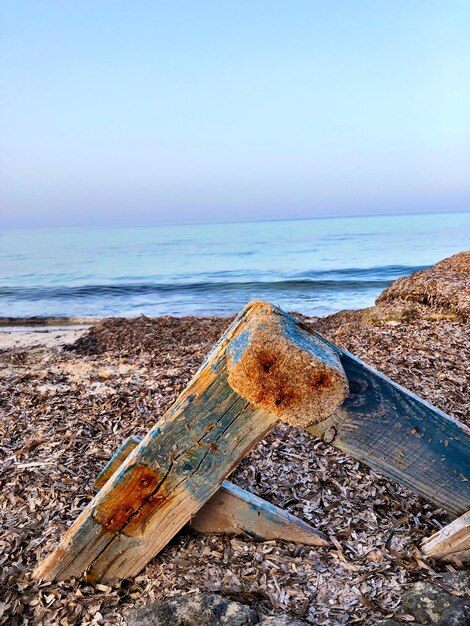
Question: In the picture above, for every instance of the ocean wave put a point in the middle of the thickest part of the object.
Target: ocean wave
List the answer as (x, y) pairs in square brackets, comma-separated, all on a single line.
[(313, 281), (139, 289), (385, 272)]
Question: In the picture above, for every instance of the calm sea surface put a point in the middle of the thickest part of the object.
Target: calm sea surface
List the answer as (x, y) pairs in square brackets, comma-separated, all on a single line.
[(315, 266)]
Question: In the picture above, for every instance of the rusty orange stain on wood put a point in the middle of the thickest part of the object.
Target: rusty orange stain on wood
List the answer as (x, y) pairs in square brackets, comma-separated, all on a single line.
[(116, 507), (270, 387), (137, 523)]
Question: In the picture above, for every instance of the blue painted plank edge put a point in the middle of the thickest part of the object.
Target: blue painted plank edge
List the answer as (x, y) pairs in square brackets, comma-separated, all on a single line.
[(400, 435)]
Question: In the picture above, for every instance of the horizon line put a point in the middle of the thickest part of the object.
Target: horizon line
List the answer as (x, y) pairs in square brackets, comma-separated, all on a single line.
[(244, 221)]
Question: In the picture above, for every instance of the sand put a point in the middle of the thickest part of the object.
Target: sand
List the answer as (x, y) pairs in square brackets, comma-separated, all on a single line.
[(19, 337)]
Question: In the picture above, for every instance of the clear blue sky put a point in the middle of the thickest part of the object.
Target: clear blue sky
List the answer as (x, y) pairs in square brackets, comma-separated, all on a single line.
[(155, 111)]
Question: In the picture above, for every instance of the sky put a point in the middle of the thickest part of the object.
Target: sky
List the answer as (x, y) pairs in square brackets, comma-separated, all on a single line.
[(146, 112)]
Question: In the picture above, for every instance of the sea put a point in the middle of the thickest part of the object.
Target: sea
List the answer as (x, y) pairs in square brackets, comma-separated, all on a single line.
[(314, 266)]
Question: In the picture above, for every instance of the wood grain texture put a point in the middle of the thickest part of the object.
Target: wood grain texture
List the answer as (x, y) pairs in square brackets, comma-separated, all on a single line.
[(184, 459), (401, 436), (118, 458), (234, 511), (451, 542)]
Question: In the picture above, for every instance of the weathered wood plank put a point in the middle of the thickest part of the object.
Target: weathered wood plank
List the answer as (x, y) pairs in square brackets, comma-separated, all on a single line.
[(401, 436), (451, 542), (118, 458), (232, 402), (233, 510)]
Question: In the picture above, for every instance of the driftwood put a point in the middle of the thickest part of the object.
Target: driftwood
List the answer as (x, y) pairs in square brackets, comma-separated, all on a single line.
[(451, 542), (400, 435), (233, 510), (266, 367)]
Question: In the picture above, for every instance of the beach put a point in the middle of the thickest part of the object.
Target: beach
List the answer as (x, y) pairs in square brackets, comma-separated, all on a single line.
[(71, 395), (235, 314)]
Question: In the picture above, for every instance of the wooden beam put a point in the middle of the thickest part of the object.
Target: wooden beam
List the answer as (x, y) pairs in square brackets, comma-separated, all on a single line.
[(118, 458), (451, 542), (401, 436), (233, 510), (265, 368)]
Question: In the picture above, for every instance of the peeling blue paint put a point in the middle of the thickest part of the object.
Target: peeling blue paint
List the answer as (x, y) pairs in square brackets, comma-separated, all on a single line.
[(380, 424), (238, 345), (307, 342)]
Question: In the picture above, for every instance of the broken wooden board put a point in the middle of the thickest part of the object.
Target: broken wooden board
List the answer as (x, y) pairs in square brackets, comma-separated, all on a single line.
[(451, 542), (401, 436), (232, 402), (118, 458), (233, 510)]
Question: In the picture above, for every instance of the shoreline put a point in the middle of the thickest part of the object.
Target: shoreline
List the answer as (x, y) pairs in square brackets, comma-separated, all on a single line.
[(46, 321)]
